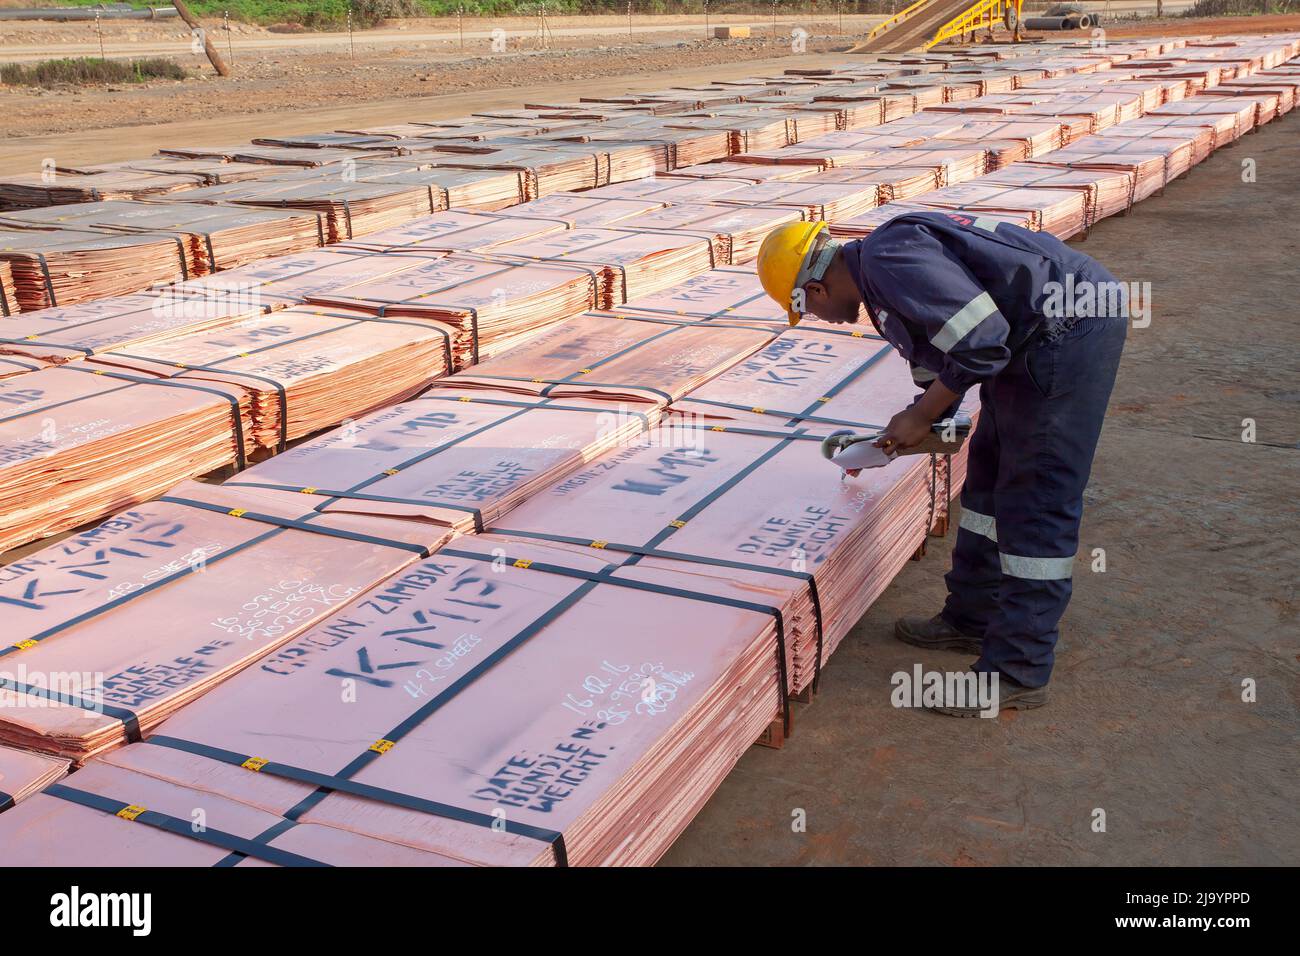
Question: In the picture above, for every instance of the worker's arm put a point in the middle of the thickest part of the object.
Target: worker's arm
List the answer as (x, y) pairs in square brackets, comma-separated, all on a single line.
[(932, 290), (911, 426)]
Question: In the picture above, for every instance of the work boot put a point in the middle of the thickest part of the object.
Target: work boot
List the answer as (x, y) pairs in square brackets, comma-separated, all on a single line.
[(1011, 696), (934, 634)]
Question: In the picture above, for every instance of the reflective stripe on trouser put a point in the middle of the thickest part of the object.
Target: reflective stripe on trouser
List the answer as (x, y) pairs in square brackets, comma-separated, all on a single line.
[(1030, 458)]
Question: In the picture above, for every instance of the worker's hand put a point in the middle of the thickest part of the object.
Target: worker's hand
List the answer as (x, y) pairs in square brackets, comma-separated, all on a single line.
[(905, 430)]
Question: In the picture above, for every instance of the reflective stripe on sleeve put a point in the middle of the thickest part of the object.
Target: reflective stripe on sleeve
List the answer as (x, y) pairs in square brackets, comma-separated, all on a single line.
[(966, 318), (923, 376), (984, 222), (979, 524), (1036, 569)]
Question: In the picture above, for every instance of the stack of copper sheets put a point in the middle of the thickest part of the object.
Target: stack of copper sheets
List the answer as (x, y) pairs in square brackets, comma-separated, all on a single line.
[(489, 304), (301, 369), (730, 293), (216, 237), (736, 231), (349, 209), (210, 171), (608, 358), (951, 163), (1264, 89), (306, 157), (1178, 152), (487, 189), (583, 209), (745, 129), (65, 266), (893, 183), (1199, 139), (453, 231), (673, 189), (23, 773), (686, 146), (1062, 212), (1039, 137), (859, 227), (283, 281), (1207, 108), (545, 169), (626, 263), (745, 172), (66, 333), (235, 573), (455, 456), (78, 445), (1107, 192), (816, 200), (624, 747), (998, 153), (1148, 167), (805, 154), (29, 190)]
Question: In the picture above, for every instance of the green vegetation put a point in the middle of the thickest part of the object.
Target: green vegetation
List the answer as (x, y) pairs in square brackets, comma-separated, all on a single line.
[(87, 70)]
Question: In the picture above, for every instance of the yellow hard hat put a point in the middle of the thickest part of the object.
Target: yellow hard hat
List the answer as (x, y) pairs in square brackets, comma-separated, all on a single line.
[(786, 262)]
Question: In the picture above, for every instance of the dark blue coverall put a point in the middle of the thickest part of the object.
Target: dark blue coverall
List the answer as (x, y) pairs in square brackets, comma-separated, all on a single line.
[(974, 301)]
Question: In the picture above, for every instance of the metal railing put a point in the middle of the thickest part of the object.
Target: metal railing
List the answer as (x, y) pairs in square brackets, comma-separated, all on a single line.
[(983, 14)]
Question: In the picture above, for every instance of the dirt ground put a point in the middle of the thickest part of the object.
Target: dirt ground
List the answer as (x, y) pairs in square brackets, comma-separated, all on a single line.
[(1202, 539), (395, 66)]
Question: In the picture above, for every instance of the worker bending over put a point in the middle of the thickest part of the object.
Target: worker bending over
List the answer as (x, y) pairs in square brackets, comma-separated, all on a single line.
[(973, 301)]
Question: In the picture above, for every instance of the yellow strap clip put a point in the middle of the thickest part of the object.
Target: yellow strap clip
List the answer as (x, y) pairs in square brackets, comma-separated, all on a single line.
[(24, 645), (391, 471), (598, 544), (677, 524), (131, 812), (464, 398), (254, 763), (523, 563), (824, 398), (758, 411), (237, 512), (307, 491), (382, 746), (718, 428)]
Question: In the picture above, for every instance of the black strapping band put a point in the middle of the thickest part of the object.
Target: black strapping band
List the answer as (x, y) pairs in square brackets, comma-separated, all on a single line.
[(130, 720), (355, 788), (299, 524), (163, 821)]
